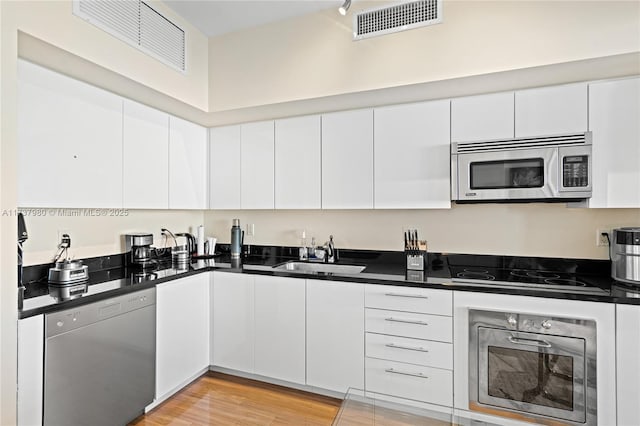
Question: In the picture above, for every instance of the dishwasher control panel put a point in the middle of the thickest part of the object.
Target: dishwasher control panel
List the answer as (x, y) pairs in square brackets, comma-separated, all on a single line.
[(74, 318)]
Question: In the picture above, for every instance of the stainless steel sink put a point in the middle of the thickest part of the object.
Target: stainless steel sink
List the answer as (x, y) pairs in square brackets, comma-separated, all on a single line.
[(319, 268)]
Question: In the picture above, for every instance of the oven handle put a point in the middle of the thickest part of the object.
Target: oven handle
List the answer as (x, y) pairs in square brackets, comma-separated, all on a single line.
[(529, 342)]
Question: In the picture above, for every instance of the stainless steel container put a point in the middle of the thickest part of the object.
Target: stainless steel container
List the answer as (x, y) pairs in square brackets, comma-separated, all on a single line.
[(625, 255)]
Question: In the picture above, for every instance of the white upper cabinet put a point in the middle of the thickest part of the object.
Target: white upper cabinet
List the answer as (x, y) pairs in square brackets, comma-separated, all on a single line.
[(256, 165), (412, 156), (187, 165), (297, 163), (347, 160), (146, 157), (280, 328), (224, 167), (483, 117), (69, 142), (551, 110), (614, 111)]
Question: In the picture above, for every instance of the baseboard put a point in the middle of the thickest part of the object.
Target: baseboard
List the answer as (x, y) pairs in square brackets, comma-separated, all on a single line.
[(297, 386), (173, 391)]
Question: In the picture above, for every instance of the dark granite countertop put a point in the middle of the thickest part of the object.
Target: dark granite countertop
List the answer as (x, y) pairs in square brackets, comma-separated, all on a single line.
[(110, 277)]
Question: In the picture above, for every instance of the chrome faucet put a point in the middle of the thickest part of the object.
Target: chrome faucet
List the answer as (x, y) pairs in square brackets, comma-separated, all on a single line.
[(331, 255)]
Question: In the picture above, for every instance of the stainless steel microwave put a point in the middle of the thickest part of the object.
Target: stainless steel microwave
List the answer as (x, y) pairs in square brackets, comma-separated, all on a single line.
[(552, 168)]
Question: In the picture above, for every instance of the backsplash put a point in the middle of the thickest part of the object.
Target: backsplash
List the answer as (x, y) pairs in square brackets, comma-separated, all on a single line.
[(93, 235), (536, 229)]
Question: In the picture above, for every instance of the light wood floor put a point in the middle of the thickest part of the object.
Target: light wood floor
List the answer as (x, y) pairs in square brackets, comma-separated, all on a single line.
[(220, 399)]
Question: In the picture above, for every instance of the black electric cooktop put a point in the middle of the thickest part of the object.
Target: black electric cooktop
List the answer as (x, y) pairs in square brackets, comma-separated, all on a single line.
[(528, 273)]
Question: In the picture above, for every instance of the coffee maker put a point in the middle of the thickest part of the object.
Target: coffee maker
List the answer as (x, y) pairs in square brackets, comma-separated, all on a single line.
[(138, 247)]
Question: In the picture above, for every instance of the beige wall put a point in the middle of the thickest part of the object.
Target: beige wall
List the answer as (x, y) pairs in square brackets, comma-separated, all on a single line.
[(97, 236), (53, 21), (314, 56), (537, 229), (8, 231)]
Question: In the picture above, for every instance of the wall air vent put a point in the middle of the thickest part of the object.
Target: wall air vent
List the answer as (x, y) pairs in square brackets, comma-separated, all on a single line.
[(392, 19), (138, 24)]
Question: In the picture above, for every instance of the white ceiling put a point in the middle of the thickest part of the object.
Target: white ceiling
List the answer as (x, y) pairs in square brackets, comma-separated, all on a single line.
[(215, 17)]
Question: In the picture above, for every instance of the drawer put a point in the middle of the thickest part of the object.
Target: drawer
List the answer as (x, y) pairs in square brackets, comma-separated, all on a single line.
[(409, 299), (413, 351), (426, 384), (408, 324)]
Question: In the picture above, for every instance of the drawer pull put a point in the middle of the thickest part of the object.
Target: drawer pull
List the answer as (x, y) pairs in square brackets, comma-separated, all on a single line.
[(392, 319), (409, 348), (415, 296), (406, 373)]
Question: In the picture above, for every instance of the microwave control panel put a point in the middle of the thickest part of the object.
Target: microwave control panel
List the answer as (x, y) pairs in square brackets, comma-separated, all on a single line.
[(575, 171)]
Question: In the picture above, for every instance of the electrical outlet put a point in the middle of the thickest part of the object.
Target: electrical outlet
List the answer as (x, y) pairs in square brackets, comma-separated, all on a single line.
[(602, 240), (251, 229), (61, 232)]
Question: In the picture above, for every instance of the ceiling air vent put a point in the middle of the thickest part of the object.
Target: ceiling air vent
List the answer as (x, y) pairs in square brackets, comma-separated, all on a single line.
[(392, 19), (138, 24)]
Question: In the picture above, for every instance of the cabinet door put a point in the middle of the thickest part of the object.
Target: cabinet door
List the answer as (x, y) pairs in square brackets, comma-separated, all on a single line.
[(628, 364), (187, 165), (335, 335), (412, 156), (30, 370), (280, 328), (481, 118), (614, 108), (182, 332), (297, 163), (347, 160), (257, 161), (69, 142), (551, 110), (146, 157), (233, 321), (224, 167)]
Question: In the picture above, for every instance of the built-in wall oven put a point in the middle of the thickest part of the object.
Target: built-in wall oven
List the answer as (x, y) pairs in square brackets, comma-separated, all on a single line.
[(553, 168), (533, 368)]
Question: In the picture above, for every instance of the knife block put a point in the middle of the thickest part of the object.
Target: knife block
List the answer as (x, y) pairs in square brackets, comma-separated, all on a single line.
[(417, 259)]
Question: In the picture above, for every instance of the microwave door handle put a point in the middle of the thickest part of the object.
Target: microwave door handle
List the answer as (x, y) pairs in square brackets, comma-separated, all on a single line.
[(529, 342)]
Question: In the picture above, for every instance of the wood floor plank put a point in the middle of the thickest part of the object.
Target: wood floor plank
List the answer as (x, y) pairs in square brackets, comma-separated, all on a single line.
[(221, 399)]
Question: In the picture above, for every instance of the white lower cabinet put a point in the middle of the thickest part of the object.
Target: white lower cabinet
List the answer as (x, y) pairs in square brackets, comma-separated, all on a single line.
[(413, 351), (628, 364), (335, 335), (409, 343), (416, 382), (30, 370), (233, 321), (280, 328), (182, 332)]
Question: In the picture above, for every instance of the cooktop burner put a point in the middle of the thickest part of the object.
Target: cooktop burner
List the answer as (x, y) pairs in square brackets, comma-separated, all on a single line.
[(522, 278)]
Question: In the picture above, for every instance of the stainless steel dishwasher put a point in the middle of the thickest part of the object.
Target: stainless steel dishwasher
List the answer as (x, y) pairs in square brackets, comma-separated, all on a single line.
[(99, 366)]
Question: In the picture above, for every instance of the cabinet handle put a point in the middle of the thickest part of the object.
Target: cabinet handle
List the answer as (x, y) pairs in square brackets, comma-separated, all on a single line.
[(406, 373), (415, 296), (392, 319), (409, 348)]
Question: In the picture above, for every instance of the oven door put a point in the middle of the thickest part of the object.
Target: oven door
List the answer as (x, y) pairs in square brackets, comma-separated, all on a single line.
[(522, 174), (532, 373)]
